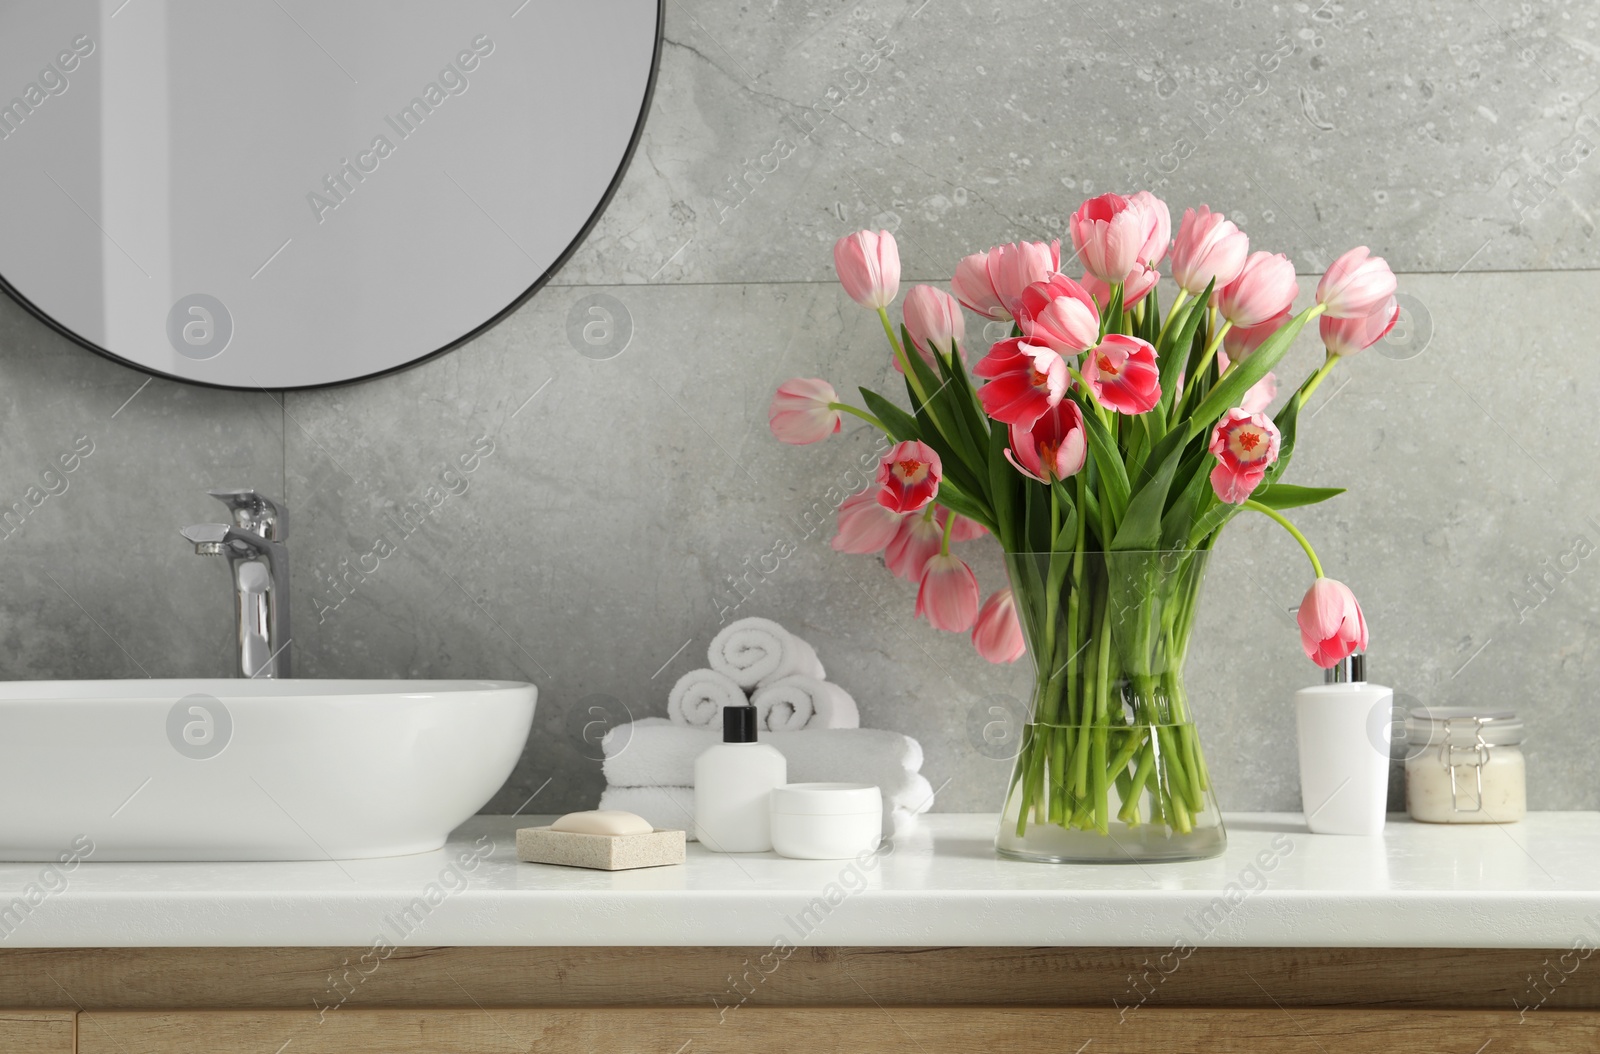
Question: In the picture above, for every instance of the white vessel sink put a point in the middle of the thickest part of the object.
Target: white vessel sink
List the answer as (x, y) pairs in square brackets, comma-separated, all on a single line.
[(250, 769)]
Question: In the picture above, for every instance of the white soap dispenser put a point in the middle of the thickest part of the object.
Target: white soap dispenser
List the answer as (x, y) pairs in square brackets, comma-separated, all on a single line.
[(1344, 732), (732, 784)]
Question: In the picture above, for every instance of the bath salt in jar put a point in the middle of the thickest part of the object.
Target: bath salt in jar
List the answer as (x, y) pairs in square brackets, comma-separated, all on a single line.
[(1464, 766)]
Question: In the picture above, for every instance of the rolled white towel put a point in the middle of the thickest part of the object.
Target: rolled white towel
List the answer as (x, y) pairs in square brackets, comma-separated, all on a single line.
[(654, 752), (917, 797), (753, 650), (699, 696), (792, 703), (670, 808)]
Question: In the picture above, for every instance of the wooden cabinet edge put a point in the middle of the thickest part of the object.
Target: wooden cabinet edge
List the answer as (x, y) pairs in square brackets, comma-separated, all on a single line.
[(42, 1031), (857, 1030)]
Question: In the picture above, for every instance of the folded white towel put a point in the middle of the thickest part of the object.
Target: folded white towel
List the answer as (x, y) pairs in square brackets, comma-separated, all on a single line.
[(654, 752), (699, 696), (791, 703), (673, 808), (753, 650), (670, 808)]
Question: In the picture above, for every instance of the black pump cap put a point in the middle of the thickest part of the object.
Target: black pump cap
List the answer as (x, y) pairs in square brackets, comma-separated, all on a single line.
[(738, 724)]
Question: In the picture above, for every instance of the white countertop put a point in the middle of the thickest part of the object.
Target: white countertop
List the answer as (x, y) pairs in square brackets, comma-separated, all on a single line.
[(1535, 884)]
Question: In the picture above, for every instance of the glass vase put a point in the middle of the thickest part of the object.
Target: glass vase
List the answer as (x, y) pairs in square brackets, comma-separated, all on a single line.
[(1110, 767)]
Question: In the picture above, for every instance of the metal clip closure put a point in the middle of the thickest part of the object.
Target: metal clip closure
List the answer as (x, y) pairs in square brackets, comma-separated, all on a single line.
[(1478, 749)]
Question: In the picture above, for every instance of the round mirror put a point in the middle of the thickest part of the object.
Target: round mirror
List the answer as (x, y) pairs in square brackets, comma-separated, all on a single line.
[(290, 193)]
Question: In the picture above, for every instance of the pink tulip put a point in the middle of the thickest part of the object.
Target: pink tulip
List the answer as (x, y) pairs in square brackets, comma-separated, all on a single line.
[(1245, 445), (869, 267), (948, 596), (972, 287), (997, 634), (1054, 448), (1158, 227), (1331, 624), (934, 320), (1356, 285), (1240, 342), (1264, 290), (1135, 286), (1209, 246), (865, 526), (1346, 336), (799, 413), (909, 476), (1025, 381), (1014, 267), (1122, 374), (1109, 232), (1059, 314), (918, 538), (964, 530)]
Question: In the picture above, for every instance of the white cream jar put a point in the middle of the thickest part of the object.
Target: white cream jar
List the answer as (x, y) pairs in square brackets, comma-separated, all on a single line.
[(826, 821), (1465, 766)]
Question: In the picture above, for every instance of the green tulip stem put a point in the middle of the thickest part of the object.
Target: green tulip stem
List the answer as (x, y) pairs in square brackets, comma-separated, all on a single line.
[(1105, 415), (1177, 302), (1283, 521), (888, 330), (1316, 378), (855, 412)]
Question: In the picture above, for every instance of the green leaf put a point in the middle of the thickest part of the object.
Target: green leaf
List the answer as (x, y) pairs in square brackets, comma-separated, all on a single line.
[(1210, 521), (1067, 537), (1289, 496), (1243, 375), (954, 371), (1179, 519), (1141, 527), (1198, 378), (956, 410), (1170, 357), (952, 458), (901, 425), (1091, 515), (1111, 317), (1003, 480), (956, 501), (1113, 475), (1150, 329), (948, 415), (919, 368), (1287, 419)]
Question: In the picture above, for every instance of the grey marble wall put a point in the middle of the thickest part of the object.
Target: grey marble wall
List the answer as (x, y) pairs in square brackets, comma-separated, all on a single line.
[(624, 484)]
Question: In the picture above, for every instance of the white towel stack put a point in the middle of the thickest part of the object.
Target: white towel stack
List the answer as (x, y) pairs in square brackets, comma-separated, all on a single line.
[(649, 764), (757, 661), (649, 768)]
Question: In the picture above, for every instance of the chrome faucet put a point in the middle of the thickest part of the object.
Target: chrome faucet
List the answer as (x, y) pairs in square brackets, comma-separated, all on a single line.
[(258, 563)]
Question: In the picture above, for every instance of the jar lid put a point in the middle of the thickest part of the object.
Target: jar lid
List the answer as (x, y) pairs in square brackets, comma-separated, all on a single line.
[(827, 799), (1461, 726)]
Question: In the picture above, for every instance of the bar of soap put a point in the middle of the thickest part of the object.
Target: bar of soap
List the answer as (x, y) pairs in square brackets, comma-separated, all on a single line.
[(602, 821), (604, 852)]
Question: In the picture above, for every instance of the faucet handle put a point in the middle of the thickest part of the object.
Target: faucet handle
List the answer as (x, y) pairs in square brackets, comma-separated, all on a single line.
[(208, 538), (255, 513)]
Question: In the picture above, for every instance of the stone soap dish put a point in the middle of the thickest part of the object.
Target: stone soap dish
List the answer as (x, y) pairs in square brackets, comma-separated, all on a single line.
[(607, 840)]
